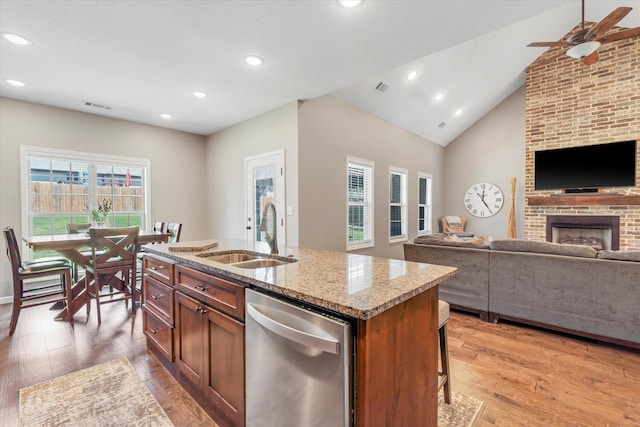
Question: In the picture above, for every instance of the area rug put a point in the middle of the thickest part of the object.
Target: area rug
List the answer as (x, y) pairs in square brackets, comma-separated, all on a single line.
[(110, 394), (462, 411)]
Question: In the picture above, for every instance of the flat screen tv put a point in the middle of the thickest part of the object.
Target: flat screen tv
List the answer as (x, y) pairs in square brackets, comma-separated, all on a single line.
[(586, 168)]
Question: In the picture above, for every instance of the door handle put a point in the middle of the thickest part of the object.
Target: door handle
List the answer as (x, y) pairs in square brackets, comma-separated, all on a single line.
[(329, 345)]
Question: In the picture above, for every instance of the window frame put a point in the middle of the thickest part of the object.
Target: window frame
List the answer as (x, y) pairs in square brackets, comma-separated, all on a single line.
[(93, 159), (428, 206), (404, 235), (368, 227)]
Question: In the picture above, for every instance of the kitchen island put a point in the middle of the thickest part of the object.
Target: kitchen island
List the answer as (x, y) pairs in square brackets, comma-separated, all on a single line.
[(392, 305)]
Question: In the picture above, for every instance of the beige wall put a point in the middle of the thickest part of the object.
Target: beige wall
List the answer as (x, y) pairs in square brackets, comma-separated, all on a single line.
[(177, 161), (226, 151), (492, 150), (329, 131)]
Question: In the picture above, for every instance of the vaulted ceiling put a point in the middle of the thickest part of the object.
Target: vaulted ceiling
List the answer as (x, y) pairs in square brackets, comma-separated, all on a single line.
[(135, 60)]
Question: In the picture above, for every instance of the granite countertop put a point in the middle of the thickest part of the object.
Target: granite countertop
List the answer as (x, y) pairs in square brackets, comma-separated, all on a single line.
[(355, 285)]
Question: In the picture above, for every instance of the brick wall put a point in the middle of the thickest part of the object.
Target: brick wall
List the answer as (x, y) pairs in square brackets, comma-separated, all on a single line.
[(569, 104)]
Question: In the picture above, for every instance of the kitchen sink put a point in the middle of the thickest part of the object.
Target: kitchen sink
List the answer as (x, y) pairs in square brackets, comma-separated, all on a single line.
[(245, 259), (230, 258), (262, 263)]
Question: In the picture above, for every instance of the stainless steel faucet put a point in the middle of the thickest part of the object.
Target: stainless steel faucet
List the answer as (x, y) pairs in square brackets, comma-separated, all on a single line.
[(272, 239)]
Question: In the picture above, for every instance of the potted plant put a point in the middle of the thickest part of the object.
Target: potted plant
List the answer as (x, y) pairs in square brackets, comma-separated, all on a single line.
[(100, 214)]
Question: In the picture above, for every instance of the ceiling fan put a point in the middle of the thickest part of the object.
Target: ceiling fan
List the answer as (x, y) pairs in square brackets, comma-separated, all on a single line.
[(584, 43)]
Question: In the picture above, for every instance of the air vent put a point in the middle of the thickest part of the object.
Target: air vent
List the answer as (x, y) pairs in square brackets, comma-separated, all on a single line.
[(442, 124), (93, 104), (381, 87)]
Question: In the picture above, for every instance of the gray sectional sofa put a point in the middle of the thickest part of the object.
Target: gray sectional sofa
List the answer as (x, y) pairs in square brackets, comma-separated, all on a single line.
[(568, 288)]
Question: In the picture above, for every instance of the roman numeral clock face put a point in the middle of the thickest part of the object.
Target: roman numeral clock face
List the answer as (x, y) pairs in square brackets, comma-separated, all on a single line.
[(483, 200)]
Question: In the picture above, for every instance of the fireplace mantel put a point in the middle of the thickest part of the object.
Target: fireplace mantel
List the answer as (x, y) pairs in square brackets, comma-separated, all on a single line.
[(584, 200)]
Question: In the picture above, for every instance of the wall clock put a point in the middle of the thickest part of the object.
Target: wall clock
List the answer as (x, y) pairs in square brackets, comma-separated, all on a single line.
[(483, 199)]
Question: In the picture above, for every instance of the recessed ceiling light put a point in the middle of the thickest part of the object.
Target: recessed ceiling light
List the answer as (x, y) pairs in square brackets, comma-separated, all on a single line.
[(412, 75), (199, 94), (458, 111), (438, 96), (253, 60), (349, 3), (12, 82), (166, 116), (14, 38)]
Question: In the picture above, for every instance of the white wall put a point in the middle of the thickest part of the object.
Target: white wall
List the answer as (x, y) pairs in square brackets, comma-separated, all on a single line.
[(492, 150), (177, 162), (329, 131), (226, 151)]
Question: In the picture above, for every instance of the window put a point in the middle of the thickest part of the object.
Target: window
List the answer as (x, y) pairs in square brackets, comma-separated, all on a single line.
[(397, 204), (61, 187), (424, 204), (359, 203)]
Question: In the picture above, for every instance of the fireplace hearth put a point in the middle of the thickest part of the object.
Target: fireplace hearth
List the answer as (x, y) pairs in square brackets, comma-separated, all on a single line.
[(599, 232)]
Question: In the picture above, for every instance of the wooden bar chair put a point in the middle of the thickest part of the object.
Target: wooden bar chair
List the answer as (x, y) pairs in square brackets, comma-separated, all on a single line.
[(158, 226), (26, 297), (114, 267), (445, 373), (174, 229)]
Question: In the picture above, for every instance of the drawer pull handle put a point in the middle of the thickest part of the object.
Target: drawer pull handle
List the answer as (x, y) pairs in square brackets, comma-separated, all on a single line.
[(156, 268), (155, 296), (200, 310), (153, 331), (201, 288)]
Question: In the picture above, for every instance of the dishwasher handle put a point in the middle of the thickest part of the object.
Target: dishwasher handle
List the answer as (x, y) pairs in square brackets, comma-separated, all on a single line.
[(321, 343)]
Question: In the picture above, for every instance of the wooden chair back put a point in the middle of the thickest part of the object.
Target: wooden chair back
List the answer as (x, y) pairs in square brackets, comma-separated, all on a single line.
[(114, 248), (13, 252), (158, 226), (174, 228)]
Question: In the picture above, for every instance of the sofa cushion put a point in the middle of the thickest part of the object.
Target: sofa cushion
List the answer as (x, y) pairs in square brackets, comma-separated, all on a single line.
[(442, 239), (620, 255), (519, 245)]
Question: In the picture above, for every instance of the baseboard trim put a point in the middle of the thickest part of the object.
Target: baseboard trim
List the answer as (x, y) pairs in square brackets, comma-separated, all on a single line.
[(6, 300)]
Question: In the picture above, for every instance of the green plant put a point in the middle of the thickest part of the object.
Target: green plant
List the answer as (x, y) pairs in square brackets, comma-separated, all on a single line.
[(100, 213)]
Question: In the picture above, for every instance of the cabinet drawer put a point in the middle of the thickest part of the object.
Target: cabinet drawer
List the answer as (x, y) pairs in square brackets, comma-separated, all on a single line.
[(160, 269), (218, 293), (160, 297), (158, 331)]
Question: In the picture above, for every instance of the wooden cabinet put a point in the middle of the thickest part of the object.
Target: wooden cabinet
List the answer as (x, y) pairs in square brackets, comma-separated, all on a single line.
[(210, 343), (158, 306)]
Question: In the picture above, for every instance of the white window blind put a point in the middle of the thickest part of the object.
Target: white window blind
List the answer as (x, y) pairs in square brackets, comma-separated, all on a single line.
[(359, 203), (397, 204), (424, 203)]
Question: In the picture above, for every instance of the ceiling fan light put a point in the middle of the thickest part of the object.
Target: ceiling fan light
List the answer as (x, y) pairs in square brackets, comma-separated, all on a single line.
[(583, 49)]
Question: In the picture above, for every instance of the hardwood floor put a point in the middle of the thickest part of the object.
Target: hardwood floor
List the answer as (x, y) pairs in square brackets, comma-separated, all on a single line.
[(526, 377)]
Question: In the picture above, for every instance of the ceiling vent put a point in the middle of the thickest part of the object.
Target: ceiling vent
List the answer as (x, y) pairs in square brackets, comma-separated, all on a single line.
[(442, 124), (382, 86), (93, 104)]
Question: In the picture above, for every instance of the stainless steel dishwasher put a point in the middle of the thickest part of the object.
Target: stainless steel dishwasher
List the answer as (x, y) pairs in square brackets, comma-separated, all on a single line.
[(298, 365)]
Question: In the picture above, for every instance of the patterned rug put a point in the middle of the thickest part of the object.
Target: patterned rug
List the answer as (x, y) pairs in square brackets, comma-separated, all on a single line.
[(110, 394), (462, 411)]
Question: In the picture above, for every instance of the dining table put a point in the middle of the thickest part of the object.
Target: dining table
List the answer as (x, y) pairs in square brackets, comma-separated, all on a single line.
[(73, 247)]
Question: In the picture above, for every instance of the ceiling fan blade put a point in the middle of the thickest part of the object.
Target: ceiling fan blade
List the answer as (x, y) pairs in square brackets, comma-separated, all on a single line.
[(591, 59), (546, 44), (607, 23), (620, 35)]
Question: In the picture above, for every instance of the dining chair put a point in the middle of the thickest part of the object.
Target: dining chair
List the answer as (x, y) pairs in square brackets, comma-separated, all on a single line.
[(78, 228), (174, 229), (445, 373), (158, 226), (47, 293), (114, 267)]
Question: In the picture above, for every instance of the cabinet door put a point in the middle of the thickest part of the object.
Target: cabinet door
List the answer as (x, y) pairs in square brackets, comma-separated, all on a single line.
[(189, 349), (224, 370)]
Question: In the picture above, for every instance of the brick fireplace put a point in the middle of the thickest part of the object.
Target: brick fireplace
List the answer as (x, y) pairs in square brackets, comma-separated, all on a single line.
[(599, 232), (569, 104)]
